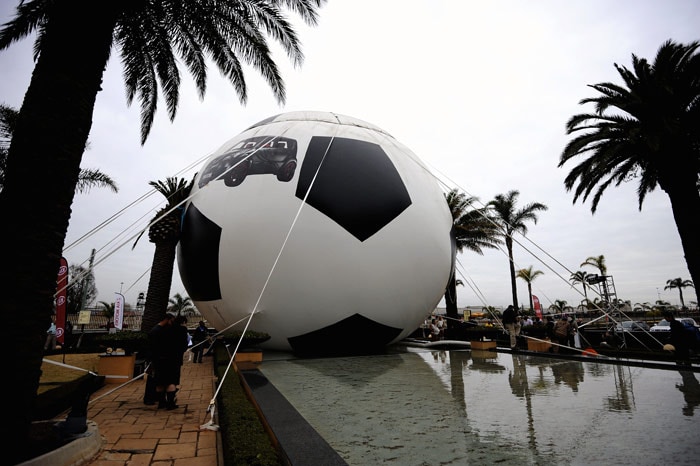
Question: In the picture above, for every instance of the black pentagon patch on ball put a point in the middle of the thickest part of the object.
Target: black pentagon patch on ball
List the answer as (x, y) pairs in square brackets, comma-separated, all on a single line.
[(353, 335), (198, 255), (357, 185)]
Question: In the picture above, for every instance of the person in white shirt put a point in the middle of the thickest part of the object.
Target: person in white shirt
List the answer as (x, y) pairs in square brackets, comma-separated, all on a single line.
[(434, 330), (50, 343), (441, 325)]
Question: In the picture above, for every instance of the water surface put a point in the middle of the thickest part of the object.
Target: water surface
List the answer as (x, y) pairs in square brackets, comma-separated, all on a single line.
[(430, 407)]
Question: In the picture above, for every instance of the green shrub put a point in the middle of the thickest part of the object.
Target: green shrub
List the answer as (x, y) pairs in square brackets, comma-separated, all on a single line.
[(244, 438), (130, 341), (250, 339), (252, 334)]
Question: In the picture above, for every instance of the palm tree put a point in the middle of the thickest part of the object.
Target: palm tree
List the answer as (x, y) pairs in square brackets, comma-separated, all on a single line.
[(510, 221), (107, 311), (580, 277), (87, 178), (584, 306), (472, 229), (598, 262), (559, 306), (54, 122), (181, 305), (643, 307), (661, 305), (680, 284), (8, 119), (651, 133), (164, 232), (528, 275)]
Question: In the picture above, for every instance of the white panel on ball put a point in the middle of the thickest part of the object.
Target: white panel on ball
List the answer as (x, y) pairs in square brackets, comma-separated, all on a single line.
[(333, 229)]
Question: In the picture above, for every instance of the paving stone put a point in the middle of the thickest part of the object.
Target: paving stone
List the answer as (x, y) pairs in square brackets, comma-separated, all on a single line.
[(175, 451)]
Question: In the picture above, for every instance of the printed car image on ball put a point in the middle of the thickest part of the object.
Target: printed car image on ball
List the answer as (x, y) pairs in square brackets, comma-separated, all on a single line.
[(253, 156), (346, 257)]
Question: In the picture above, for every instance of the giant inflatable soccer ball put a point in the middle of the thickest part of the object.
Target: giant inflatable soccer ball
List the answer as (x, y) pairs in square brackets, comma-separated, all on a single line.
[(333, 232)]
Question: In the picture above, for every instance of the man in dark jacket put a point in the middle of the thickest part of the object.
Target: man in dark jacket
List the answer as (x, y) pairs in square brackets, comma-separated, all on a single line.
[(166, 352), (679, 337), (512, 324), (198, 338)]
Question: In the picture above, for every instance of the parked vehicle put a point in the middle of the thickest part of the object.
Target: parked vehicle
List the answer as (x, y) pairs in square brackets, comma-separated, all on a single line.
[(632, 326), (665, 326)]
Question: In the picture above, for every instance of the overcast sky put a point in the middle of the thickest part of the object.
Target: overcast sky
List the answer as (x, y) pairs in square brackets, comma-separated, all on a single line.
[(480, 91)]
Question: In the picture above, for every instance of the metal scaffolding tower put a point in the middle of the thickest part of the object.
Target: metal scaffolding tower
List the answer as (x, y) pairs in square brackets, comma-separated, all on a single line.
[(608, 294)]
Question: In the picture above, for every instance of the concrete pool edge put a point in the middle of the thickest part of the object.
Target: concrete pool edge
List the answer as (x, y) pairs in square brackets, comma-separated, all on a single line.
[(297, 440)]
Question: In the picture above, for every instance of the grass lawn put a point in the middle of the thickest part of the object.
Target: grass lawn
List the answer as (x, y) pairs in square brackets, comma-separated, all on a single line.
[(53, 375)]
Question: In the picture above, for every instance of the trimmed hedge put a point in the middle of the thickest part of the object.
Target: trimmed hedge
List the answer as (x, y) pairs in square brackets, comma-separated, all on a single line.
[(244, 439)]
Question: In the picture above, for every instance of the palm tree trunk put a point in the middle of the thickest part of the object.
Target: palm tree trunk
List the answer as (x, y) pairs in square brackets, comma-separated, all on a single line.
[(509, 246), (685, 204), (43, 164), (529, 292), (159, 284), (451, 311)]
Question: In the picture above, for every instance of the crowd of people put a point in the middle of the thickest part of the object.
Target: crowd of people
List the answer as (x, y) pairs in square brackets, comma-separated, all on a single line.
[(563, 331)]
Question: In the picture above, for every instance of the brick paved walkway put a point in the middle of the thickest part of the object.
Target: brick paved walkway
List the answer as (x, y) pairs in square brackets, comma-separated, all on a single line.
[(136, 434)]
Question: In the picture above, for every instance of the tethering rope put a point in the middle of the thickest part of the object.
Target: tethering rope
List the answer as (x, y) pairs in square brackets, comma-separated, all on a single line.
[(212, 403), (429, 169)]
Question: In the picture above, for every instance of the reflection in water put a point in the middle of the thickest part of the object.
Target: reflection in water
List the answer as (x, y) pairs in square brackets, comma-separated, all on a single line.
[(570, 373), (624, 396), (423, 407), (336, 369), (486, 361), (518, 376), (459, 362), (691, 392), (520, 387)]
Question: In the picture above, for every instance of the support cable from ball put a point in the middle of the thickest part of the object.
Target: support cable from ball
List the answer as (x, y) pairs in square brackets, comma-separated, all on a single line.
[(211, 408), (448, 187), (124, 231), (264, 287), (482, 298), (78, 279), (120, 212)]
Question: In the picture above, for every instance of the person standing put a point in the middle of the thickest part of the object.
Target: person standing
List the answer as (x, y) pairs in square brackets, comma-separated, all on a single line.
[(441, 325), (68, 334), (434, 330), (166, 356), (573, 329), (549, 325), (679, 337), (561, 333), (512, 324), (50, 343), (183, 340), (199, 336)]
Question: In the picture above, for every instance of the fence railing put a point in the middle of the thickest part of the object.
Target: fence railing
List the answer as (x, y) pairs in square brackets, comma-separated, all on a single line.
[(101, 323)]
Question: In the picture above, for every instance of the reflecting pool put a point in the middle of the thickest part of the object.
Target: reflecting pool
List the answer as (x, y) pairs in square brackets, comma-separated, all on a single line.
[(428, 407)]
